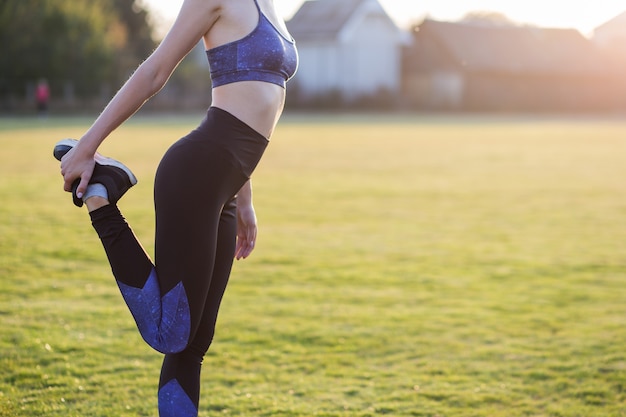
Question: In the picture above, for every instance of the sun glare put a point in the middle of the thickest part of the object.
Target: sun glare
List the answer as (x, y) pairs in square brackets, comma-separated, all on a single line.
[(578, 14)]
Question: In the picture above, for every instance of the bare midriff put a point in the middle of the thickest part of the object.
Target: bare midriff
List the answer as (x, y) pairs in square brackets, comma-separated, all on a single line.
[(257, 104)]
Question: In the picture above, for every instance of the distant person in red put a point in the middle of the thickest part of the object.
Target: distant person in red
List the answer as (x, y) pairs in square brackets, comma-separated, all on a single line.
[(42, 95)]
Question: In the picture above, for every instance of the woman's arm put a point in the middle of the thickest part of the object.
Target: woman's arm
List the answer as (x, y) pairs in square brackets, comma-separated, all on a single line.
[(195, 19), (246, 222)]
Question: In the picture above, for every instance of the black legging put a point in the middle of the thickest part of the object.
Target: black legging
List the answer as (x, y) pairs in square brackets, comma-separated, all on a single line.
[(175, 301)]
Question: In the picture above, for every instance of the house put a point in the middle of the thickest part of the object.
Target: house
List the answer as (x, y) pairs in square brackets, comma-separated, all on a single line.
[(465, 66), (612, 33), (348, 49), (611, 39)]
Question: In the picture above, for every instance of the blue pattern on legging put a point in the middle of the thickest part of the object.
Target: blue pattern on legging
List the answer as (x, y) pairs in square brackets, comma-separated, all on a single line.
[(164, 322), (174, 402)]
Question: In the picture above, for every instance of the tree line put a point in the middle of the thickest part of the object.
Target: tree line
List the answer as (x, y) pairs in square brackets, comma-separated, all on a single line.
[(81, 45)]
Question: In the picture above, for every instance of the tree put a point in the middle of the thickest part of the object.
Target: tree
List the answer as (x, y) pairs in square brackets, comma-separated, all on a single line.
[(59, 40), (71, 43), (136, 34), (136, 21)]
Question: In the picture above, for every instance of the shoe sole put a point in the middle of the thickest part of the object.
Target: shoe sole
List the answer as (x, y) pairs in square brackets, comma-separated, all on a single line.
[(63, 146)]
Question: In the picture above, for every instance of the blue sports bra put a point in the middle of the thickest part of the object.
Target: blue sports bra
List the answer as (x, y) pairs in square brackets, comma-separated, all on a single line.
[(263, 55)]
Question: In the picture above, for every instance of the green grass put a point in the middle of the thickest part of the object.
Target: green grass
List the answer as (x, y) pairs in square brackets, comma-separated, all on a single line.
[(425, 266)]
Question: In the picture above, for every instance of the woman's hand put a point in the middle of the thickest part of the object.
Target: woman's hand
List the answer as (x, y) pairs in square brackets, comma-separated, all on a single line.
[(246, 231), (76, 165), (195, 19)]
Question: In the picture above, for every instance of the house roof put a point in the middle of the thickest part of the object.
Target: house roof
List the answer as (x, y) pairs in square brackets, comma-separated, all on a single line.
[(514, 49), (321, 19), (617, 22)]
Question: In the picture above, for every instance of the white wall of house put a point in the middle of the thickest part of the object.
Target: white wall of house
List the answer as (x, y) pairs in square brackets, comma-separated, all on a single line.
[(374, 55), (365, 58), (317, 68)]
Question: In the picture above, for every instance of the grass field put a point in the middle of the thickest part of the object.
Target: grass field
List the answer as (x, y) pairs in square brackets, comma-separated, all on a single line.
[(426, 266)]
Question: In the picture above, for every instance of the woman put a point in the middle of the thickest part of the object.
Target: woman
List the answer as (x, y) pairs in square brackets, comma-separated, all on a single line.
[(202, 190)]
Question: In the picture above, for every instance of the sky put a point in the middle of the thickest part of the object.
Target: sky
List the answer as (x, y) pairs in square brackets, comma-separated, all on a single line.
[(583, 15)]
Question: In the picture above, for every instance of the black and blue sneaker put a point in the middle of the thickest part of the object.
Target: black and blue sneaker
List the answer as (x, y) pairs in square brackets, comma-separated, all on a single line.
[(116, 177)]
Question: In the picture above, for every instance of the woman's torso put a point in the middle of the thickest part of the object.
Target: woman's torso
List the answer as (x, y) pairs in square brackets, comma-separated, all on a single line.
[(257, 103)]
